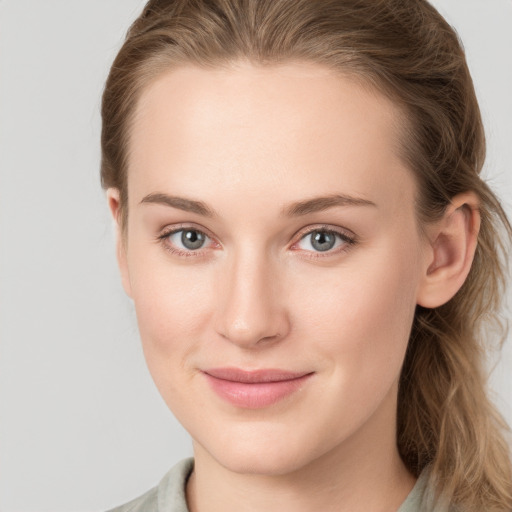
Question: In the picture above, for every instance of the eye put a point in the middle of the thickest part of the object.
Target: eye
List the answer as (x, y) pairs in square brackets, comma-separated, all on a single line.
[(185, 241), (323, 240)]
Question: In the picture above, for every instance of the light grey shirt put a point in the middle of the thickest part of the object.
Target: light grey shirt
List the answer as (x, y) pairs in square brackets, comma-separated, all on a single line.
[(169, 494)]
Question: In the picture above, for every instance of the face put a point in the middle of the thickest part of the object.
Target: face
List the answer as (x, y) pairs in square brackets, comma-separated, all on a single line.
[(273, 257)]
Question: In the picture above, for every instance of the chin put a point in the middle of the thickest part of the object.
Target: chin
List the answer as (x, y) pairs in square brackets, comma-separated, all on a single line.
[(261, 462), (262, 451)]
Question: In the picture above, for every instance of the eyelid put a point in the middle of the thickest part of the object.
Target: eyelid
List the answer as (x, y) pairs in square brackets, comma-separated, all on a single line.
[(325, 227), (348, 237), (176, 228)]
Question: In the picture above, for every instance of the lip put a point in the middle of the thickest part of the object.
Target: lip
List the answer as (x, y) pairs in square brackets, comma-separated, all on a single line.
[(254, 389)]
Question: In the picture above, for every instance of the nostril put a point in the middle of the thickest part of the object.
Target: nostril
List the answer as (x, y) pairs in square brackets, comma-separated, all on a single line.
[(269, 338), (243, 335)]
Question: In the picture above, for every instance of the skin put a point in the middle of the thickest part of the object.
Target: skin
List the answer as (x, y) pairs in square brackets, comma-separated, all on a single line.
[(248, 142)]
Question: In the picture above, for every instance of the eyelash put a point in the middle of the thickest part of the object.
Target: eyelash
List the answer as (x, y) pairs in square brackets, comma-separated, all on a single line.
[(187, 254), (348, 241)]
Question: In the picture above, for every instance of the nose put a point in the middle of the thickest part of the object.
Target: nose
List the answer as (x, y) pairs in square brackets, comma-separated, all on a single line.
[(250, 310)]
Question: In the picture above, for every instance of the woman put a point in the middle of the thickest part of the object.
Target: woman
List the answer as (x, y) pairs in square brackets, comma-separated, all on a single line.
[(311, 253)]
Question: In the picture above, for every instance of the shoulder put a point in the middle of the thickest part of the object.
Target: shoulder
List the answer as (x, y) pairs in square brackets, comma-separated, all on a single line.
[(167, 496), (423, 499), (148, 502), (415, 501)]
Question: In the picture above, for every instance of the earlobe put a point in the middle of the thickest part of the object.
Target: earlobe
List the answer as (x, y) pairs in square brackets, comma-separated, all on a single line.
[(114, 202), (452, 245)]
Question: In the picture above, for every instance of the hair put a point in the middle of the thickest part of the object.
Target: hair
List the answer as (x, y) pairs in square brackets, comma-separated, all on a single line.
[(407, 51)]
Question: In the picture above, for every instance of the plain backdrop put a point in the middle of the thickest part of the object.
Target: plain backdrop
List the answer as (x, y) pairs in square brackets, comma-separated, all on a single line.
[(82, 427)]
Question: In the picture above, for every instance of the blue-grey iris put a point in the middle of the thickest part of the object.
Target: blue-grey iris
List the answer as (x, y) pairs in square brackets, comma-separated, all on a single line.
[(322, 240), (192, 239)]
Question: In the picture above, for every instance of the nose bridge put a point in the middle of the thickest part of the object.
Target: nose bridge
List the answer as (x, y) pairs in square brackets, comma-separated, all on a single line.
[(250, 310)]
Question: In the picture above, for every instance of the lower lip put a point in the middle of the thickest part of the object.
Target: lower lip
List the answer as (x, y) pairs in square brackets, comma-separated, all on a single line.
[(255, 395)]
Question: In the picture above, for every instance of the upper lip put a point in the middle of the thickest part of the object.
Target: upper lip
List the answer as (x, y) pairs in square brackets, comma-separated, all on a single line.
[(254, 376)]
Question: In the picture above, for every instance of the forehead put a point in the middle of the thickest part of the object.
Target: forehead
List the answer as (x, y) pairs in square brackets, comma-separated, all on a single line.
[(300, 124)]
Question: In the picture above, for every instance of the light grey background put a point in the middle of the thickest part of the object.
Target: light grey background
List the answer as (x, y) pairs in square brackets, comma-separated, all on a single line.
[(81, 426)]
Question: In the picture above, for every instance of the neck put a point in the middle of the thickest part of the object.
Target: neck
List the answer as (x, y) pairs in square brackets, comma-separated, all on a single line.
[(363, 473)]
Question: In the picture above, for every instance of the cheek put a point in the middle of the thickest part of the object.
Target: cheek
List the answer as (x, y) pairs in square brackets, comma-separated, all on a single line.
[(172, 304), (361, 314)]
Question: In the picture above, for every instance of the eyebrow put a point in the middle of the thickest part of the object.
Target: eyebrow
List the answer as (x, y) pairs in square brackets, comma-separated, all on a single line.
[(181, 203), (316, 204)]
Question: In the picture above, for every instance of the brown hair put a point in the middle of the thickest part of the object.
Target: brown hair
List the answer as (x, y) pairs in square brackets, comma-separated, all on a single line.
[(408, 51)]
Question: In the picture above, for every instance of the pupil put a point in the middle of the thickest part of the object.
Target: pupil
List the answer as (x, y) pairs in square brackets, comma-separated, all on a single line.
[(192, 239), (323, 241)]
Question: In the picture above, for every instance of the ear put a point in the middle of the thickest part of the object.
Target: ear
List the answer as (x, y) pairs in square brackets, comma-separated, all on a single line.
[(113, 198), (450, 250)]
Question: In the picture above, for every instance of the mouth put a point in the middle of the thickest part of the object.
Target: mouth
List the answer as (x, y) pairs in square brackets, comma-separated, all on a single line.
[(254, 389)]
